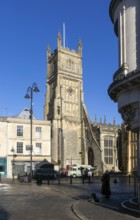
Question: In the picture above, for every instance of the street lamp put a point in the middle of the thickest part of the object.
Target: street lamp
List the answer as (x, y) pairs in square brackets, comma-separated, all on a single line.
[(13, 162), (29, 95)]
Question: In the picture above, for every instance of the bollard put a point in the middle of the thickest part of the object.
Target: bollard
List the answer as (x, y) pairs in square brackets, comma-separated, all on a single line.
[(29, 177), (135, 188), (39, 181), (13, 177), (129, 178), (59, 179), (48, 180), (70, 179), (89, 179), (83, 179), (115, 181)]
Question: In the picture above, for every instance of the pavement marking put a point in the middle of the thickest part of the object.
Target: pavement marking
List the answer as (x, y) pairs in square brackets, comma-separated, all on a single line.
[(131, 200), (133, 210), (5, 187)]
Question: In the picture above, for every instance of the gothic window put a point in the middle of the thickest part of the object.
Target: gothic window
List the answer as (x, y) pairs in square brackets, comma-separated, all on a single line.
[(52, 89), (55, 67), (52, 68), (90, 157), (69, 63), (58, 110), (108, 150)]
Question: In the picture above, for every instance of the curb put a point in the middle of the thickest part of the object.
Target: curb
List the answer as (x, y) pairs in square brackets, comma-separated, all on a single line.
[(77, 212)]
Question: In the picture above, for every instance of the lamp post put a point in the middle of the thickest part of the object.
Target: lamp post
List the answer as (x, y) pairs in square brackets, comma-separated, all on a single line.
[(29, 95), (13, 162)]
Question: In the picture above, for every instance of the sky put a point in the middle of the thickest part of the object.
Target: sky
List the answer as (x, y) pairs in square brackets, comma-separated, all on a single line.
[(27, 27)]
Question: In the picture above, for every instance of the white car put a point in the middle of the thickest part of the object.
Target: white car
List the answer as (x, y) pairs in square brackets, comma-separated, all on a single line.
[(80, 170)]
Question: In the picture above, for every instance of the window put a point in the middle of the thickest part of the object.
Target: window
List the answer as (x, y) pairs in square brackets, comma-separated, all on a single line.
[(38, 148), (38, 132), (20, 147), (2, 168), (108, 150), (19, 130)]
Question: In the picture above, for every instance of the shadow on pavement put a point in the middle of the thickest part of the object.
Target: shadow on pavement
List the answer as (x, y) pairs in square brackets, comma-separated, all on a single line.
[(4, 215), (113, 205)]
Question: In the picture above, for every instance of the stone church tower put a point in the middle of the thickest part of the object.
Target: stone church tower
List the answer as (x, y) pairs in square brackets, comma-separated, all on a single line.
[(64, 99), (72, 138)]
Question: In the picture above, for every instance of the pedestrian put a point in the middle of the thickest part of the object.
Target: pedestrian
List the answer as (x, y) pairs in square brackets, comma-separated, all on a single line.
[(105, 190), (86, 173), (83, 172)]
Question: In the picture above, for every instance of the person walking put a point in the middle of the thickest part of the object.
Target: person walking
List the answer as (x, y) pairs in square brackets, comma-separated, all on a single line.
[(105, 190)]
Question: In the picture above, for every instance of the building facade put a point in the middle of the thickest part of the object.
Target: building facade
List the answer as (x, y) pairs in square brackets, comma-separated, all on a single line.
[(107, 136), (15, 143), (64, 107), (127, 151), (125, 89)]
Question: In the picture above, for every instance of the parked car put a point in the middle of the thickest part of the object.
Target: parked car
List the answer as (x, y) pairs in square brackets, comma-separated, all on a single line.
[(56, 173), (64, 173), (81, 170)]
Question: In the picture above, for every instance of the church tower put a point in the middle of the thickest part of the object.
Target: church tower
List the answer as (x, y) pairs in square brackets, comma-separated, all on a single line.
[(63, 103)]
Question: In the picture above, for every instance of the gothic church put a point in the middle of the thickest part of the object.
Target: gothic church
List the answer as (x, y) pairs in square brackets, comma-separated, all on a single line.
[(73, 141)]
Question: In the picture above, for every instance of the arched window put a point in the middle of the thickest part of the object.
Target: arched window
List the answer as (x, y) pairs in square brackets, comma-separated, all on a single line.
[(90, 157), (108, 150)]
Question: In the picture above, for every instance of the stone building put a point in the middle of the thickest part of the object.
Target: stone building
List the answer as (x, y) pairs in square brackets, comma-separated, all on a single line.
[(132, 152), (15, 143), (107, 135), (64, 107), (127, 151), (91, 149), (125, 88)]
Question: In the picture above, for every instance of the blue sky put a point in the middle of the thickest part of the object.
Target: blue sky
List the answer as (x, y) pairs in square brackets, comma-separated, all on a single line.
[(26, 29)]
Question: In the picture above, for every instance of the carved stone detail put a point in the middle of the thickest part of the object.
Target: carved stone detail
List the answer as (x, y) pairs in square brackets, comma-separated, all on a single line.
[(128, 113)]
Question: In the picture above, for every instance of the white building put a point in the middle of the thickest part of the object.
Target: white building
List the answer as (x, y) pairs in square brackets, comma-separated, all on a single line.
[(15, 137)]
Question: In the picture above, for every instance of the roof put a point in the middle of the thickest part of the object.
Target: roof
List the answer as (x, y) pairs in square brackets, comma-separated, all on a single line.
[(44, 164), (25, 114)]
